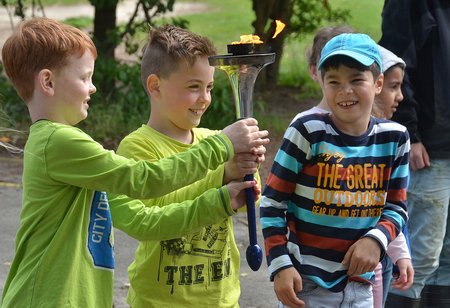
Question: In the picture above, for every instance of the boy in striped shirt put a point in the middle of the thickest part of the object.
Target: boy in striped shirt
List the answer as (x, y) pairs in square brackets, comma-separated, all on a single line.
[(336, 194)]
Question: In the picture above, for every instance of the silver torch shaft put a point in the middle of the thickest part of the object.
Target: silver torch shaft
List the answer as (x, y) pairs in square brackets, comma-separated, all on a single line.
[(242, 71)]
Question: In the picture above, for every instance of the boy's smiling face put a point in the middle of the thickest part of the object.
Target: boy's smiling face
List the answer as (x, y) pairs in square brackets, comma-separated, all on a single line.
[(72, 85), (181, 99), (350, 94)]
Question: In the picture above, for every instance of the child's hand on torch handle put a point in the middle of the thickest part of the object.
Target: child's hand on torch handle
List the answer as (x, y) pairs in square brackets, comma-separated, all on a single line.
[(236, 189), (246, 136), (243, 164)]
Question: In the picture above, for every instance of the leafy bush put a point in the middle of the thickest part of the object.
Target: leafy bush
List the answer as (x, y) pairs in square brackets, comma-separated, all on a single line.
[(13, 111)]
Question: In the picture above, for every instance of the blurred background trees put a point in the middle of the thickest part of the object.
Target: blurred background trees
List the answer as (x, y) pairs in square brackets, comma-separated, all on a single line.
[(120, 104)]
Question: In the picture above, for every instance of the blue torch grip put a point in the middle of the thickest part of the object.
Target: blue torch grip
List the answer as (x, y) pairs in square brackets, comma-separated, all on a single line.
[(253, 252), (250, 201)]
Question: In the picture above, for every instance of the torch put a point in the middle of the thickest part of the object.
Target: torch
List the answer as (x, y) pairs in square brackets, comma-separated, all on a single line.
[(242, 66)]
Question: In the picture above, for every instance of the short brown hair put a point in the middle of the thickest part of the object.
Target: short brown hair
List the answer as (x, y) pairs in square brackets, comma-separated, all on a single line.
[(323, 35), (41, 43), (170, 45)]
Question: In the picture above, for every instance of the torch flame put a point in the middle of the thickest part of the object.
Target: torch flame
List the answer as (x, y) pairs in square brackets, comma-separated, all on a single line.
[(279, 27), (248, 39)]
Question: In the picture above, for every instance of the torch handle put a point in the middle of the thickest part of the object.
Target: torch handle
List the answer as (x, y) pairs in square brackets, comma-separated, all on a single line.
[(250, 201), (254, 252)]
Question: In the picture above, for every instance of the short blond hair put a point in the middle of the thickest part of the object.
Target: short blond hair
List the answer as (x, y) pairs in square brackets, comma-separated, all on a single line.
[(41, 43)]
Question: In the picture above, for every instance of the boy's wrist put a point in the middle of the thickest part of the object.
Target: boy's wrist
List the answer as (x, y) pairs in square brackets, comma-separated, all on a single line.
[(226, 200), (227, 143), (380, 245)]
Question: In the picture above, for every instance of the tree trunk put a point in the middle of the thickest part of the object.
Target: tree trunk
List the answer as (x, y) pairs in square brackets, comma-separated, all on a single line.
[(104, 25), (265, 10)]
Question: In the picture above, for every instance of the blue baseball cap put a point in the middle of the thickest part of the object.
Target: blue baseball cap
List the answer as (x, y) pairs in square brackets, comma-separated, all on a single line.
[(357, 46)]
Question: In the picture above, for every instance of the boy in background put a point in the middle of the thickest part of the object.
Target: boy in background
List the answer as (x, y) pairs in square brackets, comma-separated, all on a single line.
[(199, 268), (336, 195), (398, 253), (64, 246)]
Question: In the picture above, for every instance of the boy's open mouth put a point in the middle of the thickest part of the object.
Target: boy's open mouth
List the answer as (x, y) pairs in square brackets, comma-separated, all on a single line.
[(347, 103)]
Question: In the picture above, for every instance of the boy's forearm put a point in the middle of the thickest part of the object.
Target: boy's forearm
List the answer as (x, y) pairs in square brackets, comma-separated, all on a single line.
[(86, 164), (389, 226), (398, 249), (273, 225), (177, 171), (394, 213), (171, 221)]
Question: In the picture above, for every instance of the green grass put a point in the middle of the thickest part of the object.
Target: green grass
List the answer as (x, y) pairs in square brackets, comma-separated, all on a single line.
[(225, 21)]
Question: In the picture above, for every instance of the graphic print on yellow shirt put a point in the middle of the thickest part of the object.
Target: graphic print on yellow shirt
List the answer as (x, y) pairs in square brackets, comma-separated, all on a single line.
[(209, 243)]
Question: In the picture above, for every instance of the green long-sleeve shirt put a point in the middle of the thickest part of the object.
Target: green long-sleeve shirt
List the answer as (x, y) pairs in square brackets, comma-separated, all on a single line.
[(64, 246)]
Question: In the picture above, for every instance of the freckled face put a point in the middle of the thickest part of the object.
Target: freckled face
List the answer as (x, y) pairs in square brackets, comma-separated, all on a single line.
[(350, 94), (185, 96), (391, 95)]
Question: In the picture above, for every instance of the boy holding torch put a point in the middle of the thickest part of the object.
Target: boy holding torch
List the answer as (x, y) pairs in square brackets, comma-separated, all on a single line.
[(201, 268)]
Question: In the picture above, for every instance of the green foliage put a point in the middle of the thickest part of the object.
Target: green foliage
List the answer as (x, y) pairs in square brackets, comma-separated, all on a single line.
[(11, 105), (224, 21), (309, 15), (80, 22)]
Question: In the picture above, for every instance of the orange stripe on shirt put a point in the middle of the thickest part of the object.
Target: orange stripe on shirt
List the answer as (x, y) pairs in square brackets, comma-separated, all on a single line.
[(321, 242), (389, 226), (396, 195), (279, 184), (273, 241)]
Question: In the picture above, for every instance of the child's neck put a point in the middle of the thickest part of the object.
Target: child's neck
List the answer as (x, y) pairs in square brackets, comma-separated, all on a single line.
[(40, 111), (323, 105), (357, 128), (181, 135)]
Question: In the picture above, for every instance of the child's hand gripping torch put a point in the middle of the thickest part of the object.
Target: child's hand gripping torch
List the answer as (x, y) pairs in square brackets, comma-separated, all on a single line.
[(242, 68)]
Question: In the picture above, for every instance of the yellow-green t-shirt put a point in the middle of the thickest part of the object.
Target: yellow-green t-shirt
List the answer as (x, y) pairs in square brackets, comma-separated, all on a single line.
[(200, 269)]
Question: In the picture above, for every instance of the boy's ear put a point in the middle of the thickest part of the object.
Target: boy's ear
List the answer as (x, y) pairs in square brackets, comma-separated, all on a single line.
[(379, 84), (313, 73), (45, 82), (153, 84)]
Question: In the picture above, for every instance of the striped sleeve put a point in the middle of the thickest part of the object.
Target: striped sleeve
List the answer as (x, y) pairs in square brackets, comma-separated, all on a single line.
[(280, 185)]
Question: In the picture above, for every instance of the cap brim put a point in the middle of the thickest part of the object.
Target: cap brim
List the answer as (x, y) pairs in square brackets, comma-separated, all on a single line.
[(364, 60)]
